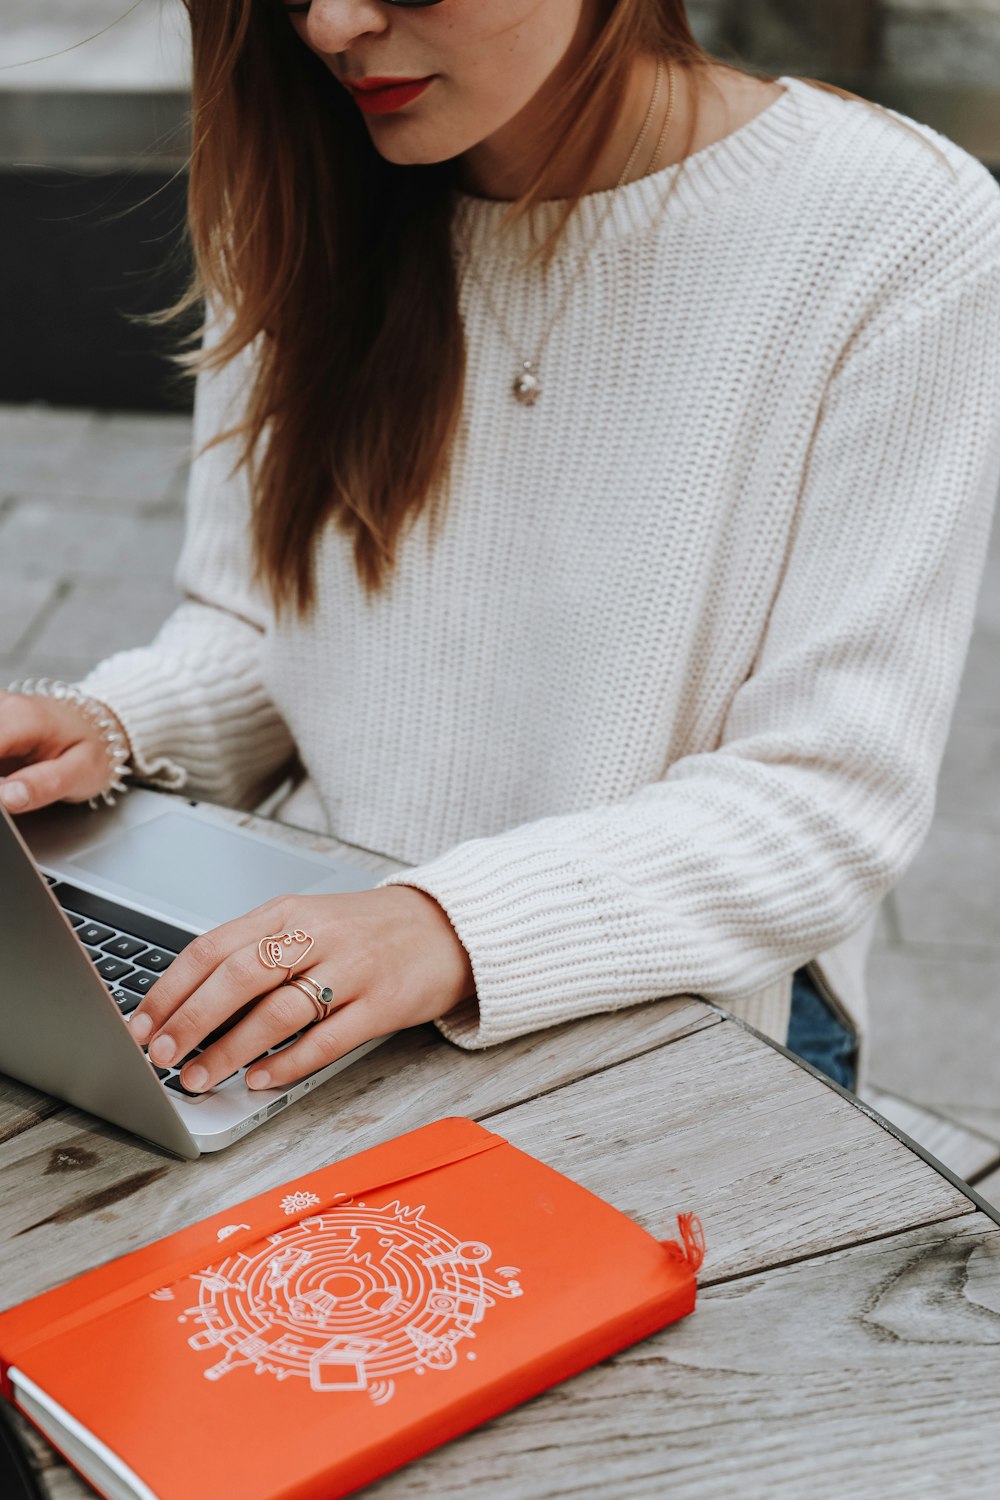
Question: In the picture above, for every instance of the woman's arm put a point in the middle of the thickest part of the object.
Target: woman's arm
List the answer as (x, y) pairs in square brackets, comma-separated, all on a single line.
[(193, 703), (743, 863)]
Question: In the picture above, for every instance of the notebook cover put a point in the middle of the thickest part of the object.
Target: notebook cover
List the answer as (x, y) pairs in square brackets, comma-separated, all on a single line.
[(312, 1339)]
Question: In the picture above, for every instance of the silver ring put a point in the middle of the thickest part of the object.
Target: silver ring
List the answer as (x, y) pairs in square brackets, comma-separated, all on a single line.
[(320, 994)]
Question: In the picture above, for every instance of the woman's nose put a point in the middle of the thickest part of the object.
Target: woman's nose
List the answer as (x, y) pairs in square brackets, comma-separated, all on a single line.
[(333, 25)]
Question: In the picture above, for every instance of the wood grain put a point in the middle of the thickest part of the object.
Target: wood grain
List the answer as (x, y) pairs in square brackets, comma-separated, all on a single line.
[(72, 1162), (758, 1391), (776, 1165), (21, 1108), (868, 1373), (61, 1483)]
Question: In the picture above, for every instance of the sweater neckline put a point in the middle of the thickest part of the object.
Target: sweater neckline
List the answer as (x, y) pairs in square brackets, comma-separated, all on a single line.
[(632, 208)]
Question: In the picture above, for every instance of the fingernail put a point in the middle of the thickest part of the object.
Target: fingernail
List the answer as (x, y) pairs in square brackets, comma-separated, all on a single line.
[(140, 1027), (163, 1050), (258, 1080), (196, 1077), (14, 794)]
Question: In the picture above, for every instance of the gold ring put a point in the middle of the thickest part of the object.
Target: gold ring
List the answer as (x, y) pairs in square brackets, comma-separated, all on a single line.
[(271, 950), (320, 994)]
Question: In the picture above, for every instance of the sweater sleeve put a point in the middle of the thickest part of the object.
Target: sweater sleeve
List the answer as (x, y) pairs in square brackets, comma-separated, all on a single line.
[(193, 702), (743, 863)]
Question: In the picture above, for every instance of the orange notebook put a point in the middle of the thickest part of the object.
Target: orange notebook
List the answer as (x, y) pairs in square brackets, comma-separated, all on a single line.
[(305, 1342)]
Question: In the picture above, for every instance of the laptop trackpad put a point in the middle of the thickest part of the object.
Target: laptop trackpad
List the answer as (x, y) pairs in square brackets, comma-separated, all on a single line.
[(208, 871)]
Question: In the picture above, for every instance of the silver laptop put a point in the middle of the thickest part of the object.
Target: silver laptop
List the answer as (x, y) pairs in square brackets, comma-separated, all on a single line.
[(93, 908)]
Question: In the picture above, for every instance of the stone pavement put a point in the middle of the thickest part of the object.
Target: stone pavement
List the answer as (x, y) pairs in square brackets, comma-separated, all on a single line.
[(91, 517)]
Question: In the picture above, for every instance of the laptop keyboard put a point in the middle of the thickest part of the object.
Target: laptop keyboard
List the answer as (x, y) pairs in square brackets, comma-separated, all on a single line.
[(130, 951)]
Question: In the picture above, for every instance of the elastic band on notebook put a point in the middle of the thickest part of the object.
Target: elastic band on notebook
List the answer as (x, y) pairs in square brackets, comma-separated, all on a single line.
[(692, 1246)]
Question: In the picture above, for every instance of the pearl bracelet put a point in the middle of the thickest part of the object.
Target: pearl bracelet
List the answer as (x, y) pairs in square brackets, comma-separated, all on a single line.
[(114, 741)]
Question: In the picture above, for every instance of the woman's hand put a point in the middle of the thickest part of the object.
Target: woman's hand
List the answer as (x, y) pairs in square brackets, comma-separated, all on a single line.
[(390, 956), (50, 751)]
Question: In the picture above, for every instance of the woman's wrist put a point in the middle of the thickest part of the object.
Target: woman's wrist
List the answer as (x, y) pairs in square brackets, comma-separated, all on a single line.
[(458, 981)]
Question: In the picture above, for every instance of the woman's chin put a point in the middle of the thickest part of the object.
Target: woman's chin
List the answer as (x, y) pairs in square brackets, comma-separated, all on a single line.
[(406, 148)]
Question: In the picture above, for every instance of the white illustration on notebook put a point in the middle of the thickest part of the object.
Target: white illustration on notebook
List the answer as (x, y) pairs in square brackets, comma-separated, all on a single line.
[(296, 1202), (349, 1299), (228, 1229)]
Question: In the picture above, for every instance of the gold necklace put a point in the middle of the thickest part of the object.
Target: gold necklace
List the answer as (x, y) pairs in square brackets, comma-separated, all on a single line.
[(527, 385), (654, 164)]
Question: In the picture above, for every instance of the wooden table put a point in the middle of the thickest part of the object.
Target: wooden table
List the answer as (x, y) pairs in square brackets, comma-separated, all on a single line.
[(847, 1336)]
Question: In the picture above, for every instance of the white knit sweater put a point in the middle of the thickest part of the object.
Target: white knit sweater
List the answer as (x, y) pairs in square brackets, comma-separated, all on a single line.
[(662, 710)]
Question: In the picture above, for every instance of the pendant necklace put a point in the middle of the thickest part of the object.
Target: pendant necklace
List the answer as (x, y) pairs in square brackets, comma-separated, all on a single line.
[(527, 385)]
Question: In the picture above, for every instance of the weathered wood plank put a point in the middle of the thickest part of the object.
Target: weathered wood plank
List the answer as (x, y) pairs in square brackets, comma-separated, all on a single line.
[(57, 1480), (779, 1167), (965, 1151), (35, 1446), (61, 1483), (118, 1194), (776, 1165), (22, 1108), (872, 1371)]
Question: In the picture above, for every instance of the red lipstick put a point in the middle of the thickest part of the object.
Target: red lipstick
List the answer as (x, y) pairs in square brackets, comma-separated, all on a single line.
[(380, 96)]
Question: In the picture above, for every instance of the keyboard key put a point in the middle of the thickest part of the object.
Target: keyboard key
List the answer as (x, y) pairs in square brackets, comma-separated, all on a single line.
[(122, 918), (74, 918), (95, 954), (158, 959), (124, 947), (218, 1033), (112, 968), (92, 933), (139, 982), (178, 1087), (125, 1000)]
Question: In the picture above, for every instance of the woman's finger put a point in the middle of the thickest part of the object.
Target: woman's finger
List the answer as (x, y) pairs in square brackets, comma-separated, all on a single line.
[(23, 725), (193, 968), (237, 980), (275, 1017), (322, 1043), (72, 776)]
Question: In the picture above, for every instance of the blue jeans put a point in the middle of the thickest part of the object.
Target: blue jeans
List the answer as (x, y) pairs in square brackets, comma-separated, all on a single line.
[(815, 1033)]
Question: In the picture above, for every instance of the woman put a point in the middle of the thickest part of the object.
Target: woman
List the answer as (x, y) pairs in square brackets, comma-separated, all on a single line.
[(612, 562)]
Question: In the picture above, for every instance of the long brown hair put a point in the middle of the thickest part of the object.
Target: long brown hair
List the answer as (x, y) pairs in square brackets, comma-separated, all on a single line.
[(336, 264)]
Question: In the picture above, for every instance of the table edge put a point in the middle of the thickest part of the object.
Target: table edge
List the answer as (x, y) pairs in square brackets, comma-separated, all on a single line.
[(991, 1210)]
